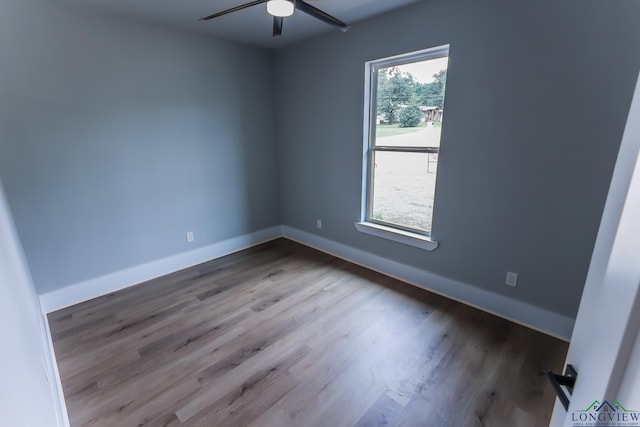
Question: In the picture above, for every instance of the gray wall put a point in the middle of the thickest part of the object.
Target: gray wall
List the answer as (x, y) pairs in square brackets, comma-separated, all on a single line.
[(537, 99), (116, 138)]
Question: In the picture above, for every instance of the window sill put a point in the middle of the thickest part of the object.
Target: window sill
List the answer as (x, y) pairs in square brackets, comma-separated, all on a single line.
[(405, 237)]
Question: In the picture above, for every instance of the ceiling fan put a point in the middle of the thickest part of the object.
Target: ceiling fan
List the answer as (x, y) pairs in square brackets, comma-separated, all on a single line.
[(281, 9)]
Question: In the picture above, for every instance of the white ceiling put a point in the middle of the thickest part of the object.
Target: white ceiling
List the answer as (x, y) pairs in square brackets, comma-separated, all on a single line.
[(252, 26)]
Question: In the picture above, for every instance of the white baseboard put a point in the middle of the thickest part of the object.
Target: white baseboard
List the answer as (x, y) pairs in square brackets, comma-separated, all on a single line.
[(529, 315), (93, 288), (53, 375), (540, 319)]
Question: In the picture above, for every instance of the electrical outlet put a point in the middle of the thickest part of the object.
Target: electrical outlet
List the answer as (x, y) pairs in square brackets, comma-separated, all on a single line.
[(512, 279), (319, 224), (190, 237)]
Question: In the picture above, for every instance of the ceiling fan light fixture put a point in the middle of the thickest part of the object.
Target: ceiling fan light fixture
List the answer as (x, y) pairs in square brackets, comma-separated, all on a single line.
[(280, 8)]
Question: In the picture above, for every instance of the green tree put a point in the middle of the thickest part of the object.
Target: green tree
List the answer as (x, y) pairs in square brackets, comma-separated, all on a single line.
[(410, 116), (386, 105), (432, 94), (395, 89)]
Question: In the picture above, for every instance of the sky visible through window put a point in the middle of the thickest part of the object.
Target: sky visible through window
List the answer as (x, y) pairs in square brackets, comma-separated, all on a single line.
[(424, 71)]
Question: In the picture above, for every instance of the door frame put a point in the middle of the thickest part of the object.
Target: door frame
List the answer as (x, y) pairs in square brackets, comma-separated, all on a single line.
[(609, 315)]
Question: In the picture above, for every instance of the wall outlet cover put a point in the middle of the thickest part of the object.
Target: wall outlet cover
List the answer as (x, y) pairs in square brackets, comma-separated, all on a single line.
[(512, 279)]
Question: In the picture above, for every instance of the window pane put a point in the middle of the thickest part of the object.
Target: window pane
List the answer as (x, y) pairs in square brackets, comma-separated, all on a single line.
[(426, 135), (403, 189), (405, 109), (410, 100)]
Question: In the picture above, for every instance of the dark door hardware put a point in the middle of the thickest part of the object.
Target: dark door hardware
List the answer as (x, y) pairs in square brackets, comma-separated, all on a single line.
[(568, 380)]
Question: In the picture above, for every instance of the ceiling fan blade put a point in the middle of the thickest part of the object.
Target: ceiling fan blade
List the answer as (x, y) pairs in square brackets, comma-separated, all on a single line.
[(305, 7), (233, 9), (277, 26)]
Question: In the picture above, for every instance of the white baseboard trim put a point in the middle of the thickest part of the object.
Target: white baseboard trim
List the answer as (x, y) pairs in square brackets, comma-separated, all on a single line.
[(92, 288), (540, 319), (548, 322), (57, 392)]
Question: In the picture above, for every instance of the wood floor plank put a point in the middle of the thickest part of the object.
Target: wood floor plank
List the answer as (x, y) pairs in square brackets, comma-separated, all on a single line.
[(384, 412), (282, 335)]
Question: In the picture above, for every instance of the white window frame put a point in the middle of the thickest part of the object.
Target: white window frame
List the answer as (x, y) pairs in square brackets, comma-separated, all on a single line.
[(367, 224)]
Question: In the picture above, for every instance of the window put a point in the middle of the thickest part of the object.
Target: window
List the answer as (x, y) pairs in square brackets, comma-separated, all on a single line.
[(404, 115)]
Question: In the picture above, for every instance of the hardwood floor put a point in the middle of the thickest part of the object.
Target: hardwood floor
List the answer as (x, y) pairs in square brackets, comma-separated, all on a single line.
[(283, 335)]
